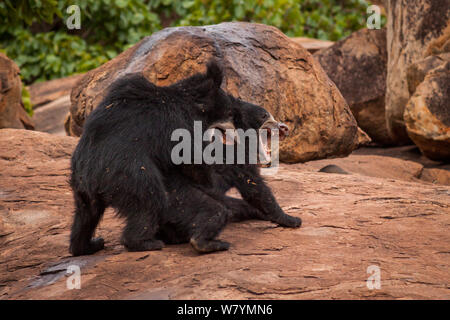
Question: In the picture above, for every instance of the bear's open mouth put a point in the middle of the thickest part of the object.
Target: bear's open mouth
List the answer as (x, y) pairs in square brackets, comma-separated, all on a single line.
[(268, 129), (230, 136)]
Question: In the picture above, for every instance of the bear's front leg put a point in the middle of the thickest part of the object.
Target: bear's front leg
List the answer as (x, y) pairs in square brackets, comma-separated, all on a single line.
[(255, 191)]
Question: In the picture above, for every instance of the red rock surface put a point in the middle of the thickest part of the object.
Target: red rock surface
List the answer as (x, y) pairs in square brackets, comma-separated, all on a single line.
[(50, 117), (350, 222), (42, 93), (311, 44)]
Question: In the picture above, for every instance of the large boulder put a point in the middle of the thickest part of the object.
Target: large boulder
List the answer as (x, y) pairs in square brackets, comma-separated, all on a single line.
[(12, 113), (441, 44), (427, 114), (411, 25), (417, 71), (357, 65), (261, 65)]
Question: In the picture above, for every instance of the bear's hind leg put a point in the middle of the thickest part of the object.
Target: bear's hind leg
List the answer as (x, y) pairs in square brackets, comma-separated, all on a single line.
[(139, 233), (143, 202), (87, 215)]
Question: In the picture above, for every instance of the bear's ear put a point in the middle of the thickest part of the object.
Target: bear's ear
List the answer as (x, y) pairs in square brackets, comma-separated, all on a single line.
[(214, 72), (207, 85)]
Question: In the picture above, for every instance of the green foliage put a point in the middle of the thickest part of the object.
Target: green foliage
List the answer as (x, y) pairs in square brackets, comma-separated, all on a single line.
[(16, 12), (53, 54), (27, 101), (35, 35), (107, 28), (328, 19)]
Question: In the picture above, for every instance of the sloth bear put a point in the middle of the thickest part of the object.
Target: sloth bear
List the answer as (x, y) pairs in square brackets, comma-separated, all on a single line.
[(123, 160)]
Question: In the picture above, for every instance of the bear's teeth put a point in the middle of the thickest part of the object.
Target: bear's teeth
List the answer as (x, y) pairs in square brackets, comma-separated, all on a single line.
[(265, 155)]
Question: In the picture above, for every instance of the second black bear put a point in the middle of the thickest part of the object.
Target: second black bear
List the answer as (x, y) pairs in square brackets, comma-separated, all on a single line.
[(123, 160), (206, 204)]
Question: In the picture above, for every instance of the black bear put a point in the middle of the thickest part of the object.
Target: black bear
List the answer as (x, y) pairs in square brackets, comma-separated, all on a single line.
[(123, 160)]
